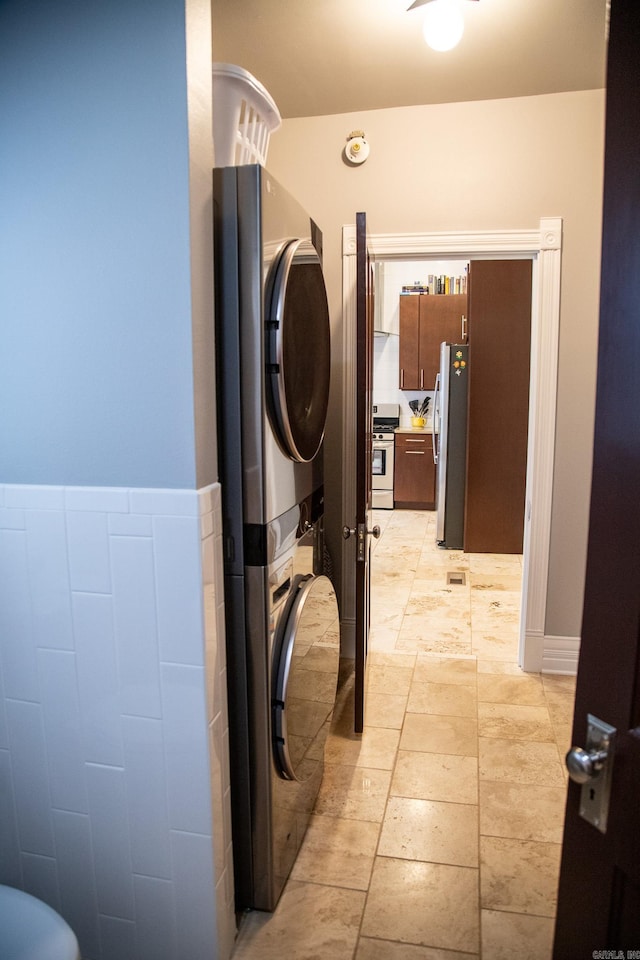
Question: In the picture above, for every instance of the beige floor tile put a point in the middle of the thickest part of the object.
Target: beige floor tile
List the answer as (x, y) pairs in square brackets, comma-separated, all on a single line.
[(435, 776), (508, 667), (430, 830), (495, 609), (433, 603), (494, 563), (491, 645), (451, 559), (525, 689), (437, 640), (339, 853), (519, 876), (433, 631), (520, 761), (446, 699), (450, 582), (429, 733), (369, 949), (560, 705), (436, 571), (353, 793), (496, 623), (382, 659), (384, 678), (383, 639), (431, 669), (559, 683), (515, 722), (563, 734), (522, 811), (387, 615), (384, 710), (509, 581), (376, 748), (431, 904), (515, 936), (310, 921), (386, 569)]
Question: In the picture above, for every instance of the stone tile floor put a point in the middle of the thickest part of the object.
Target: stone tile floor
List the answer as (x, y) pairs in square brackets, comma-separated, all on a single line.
[(436, 834)]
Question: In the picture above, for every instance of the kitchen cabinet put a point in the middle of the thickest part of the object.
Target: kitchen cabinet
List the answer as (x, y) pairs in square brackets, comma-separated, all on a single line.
[(425, 321), (498, 409), (414, 476)]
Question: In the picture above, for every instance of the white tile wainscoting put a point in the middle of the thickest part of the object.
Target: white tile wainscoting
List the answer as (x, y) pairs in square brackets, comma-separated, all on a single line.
[(114, 785)]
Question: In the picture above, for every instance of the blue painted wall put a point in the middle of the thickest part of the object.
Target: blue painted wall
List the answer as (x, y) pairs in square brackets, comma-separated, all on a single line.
[(96, 382)]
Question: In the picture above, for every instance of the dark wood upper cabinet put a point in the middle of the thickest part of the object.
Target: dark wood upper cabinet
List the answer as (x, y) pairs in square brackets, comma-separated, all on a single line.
[(409, 342), (426, 321)]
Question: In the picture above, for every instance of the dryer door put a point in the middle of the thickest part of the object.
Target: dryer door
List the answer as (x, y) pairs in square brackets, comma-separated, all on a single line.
[(298, 350), (306, 676)]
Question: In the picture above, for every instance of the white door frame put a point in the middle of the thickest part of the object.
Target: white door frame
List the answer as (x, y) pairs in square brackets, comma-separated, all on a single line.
[(544, 247)]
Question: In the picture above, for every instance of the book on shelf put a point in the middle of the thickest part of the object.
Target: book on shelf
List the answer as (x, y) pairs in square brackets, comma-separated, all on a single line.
[(440, 285)]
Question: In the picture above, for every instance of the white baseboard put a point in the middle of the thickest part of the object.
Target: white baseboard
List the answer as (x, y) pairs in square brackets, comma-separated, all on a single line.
[(560, 655)]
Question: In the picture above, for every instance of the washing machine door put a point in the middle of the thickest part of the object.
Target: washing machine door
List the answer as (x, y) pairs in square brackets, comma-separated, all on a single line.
[(306, 677), (298, 350)]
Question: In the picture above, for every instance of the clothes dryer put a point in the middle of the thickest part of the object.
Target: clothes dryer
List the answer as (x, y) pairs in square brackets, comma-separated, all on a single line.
[(273, 356)]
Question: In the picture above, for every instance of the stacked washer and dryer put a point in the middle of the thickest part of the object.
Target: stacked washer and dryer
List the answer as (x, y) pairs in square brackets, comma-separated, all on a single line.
[(273, 353)]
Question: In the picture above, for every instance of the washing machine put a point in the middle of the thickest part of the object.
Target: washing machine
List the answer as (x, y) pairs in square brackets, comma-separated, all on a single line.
[(281, 616)]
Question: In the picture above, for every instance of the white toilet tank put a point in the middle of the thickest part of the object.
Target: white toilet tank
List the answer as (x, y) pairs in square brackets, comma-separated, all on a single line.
[(31, 930)]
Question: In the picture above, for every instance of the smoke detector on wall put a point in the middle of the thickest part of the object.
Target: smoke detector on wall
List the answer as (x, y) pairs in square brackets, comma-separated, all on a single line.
[(357, 148)]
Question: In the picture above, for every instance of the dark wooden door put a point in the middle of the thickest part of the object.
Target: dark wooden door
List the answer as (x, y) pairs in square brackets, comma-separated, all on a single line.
[(364, 387), (499, 350), (599, 892)]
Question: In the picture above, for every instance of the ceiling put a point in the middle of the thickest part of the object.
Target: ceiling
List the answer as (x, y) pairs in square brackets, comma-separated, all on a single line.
[(319, 57)]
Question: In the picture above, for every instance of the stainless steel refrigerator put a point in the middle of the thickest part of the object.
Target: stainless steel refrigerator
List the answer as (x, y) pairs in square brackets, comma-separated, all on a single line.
[(450, 443)]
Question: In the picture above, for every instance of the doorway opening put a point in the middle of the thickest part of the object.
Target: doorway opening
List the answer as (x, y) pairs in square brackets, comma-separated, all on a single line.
[(543, 246)]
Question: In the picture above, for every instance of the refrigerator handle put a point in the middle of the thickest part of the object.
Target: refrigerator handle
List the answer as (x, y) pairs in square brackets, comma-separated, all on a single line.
[(435, 425)]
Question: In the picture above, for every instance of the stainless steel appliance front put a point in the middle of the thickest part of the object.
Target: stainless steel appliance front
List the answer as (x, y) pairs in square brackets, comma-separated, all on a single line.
[(273, 356), (386, 418), (450, 444)]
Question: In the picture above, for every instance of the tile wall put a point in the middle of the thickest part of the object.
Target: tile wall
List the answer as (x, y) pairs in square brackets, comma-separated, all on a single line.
[(114, 787)]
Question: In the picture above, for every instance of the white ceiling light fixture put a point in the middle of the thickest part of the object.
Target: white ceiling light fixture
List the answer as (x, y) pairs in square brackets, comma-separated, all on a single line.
[(443, 23)]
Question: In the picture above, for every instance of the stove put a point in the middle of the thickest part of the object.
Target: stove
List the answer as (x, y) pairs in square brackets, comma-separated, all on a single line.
[(386, 417)]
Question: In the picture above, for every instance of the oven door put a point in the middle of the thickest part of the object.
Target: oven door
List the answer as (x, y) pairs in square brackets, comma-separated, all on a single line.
[(382, 465)]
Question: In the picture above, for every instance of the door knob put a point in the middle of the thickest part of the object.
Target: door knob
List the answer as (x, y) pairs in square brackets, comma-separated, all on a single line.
[(375, 532), (591, 767), (348, 532), (585, 765)]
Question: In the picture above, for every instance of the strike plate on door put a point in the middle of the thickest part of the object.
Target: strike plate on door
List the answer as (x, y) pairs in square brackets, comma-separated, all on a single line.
[(592, 768)]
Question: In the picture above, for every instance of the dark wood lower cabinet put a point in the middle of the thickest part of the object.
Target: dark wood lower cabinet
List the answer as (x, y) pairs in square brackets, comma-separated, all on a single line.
[(414, 477)]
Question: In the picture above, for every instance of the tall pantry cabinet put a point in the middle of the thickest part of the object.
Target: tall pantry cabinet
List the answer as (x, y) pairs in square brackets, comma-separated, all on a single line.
[(498, 413), (426, 320)]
